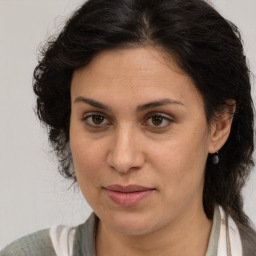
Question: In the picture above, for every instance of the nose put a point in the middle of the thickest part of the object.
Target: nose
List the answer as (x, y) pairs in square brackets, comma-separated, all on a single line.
[(125, 151)]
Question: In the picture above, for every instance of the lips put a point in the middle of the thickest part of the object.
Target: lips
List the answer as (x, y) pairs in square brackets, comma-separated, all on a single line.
[(127, 195)]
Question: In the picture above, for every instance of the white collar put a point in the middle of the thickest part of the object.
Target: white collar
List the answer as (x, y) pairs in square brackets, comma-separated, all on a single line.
[(229, 240)]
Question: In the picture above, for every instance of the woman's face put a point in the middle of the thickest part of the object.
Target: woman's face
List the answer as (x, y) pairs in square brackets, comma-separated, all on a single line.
[(139, 140)]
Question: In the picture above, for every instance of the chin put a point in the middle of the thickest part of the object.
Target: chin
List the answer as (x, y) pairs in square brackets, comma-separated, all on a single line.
[(132, 230), (130, 223)]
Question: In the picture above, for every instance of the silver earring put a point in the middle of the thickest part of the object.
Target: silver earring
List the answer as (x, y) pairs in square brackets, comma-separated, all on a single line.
[(215, 158)]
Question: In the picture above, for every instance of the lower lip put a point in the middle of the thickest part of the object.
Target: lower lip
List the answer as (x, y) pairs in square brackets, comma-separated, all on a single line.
[(128, 199)]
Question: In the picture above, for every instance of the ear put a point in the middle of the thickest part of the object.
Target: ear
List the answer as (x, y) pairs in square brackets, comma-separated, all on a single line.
[(221, 126)]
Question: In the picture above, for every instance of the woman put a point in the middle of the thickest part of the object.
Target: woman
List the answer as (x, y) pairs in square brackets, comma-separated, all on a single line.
[(148, 108)]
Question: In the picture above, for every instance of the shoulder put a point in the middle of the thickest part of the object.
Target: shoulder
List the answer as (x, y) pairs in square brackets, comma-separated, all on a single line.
[(61, 240), (84, 242), (38, 243), (248, 237)]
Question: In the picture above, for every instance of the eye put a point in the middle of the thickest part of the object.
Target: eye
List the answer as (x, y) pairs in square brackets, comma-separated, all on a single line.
[(95, 120), (158, 121)]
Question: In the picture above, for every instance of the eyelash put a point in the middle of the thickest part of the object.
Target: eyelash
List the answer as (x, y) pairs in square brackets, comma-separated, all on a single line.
[(163, 118), (160, 117), (86, 119)]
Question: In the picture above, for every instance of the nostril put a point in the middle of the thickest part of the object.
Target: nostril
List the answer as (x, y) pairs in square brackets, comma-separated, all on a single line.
[(125, 162)]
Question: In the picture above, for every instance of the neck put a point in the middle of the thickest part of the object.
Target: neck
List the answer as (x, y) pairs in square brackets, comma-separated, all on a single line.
[(187, 236)]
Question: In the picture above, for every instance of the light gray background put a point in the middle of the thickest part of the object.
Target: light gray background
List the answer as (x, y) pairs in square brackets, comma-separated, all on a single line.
[(33, 196)]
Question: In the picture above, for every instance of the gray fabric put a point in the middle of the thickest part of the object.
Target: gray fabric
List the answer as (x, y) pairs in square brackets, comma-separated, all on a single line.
[(228, 237), (36, 244), (248, 238), (39, 243), (87, 232), (215, 234), (85, 237)]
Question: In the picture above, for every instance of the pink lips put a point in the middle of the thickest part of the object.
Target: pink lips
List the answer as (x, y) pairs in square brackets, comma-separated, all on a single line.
[(127, 195)]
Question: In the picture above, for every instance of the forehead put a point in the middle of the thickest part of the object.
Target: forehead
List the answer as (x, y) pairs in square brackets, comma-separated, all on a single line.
[(145, 73), (142, 62)]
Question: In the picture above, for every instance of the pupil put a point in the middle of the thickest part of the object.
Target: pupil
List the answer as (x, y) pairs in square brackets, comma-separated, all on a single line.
[(98, 119), (157, 120)]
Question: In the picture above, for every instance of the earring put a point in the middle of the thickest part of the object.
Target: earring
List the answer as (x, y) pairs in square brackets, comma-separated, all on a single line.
[(215, 158)]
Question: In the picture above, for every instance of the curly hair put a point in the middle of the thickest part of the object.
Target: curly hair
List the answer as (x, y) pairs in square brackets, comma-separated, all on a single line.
[(207, 47)]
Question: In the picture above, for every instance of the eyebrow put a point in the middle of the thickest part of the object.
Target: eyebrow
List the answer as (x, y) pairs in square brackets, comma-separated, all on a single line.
[(140, 108), (158, 103), (92, 102)]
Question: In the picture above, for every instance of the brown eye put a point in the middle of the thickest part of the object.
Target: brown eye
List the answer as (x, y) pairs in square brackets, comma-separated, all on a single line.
[(97, 119), (157, 120)]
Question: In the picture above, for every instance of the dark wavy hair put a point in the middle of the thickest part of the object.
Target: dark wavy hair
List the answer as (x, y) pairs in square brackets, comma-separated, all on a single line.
[(206, 46)]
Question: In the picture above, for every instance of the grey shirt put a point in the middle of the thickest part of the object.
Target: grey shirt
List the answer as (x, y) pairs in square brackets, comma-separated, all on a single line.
[(39, 243)]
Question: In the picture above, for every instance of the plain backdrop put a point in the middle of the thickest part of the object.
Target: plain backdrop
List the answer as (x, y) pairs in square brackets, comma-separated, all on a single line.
[(33, 195)]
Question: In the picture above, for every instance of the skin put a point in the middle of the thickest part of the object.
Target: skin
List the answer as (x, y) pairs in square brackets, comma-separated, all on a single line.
[(162, 147)]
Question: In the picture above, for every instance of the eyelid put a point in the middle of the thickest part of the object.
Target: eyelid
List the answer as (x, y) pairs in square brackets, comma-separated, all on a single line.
[(166, 117), (87, 115), (107, 120)]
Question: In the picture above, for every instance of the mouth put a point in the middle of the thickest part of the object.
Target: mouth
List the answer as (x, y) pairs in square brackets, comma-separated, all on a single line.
[(126, 196)]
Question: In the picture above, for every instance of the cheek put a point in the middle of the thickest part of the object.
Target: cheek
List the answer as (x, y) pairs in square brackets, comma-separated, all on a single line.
[(87, 165), (182, 164), (87, 160)]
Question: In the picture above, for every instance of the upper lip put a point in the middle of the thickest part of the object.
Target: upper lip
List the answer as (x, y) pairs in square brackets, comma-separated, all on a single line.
[(127, 189)]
